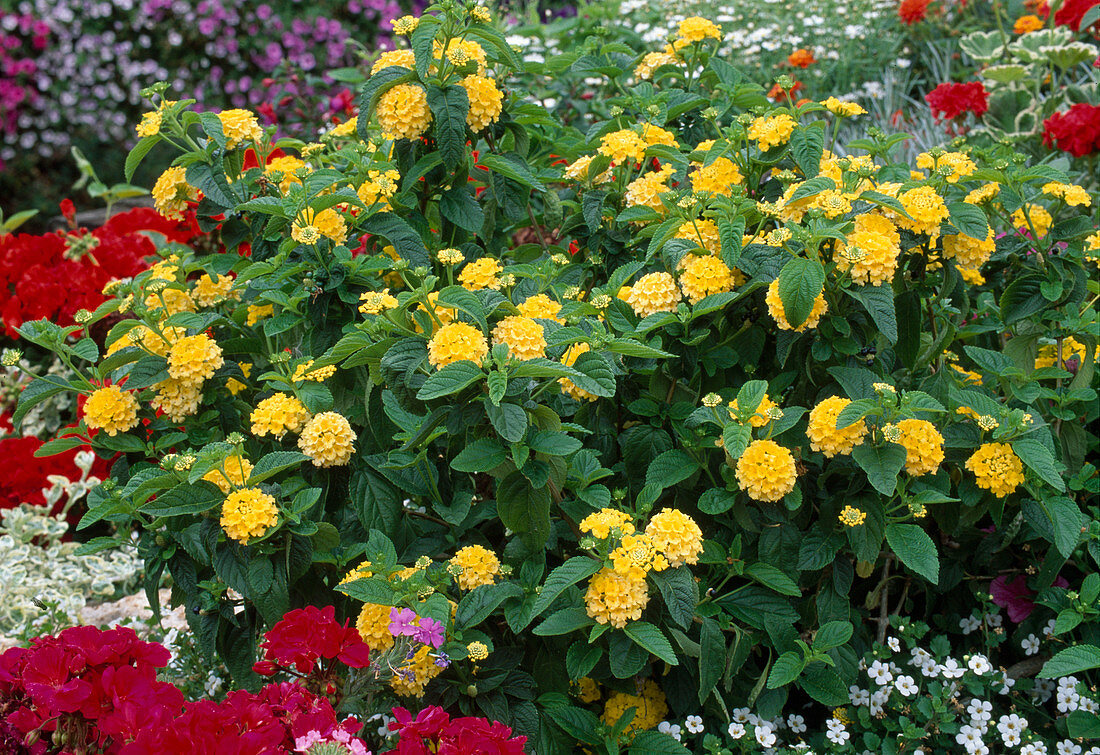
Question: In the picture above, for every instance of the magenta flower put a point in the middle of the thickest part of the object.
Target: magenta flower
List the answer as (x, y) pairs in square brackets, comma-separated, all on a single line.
[(1015, 596), (402, 622), (430, 632)]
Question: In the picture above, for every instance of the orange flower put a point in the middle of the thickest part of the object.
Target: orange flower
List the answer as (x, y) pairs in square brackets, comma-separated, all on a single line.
[(779, 94), (801, 58)]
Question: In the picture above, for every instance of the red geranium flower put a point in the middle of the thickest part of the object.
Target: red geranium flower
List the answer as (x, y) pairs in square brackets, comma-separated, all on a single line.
[(951, 101), (913, 11), (305, 635), (1076, 131), (1073, 11)]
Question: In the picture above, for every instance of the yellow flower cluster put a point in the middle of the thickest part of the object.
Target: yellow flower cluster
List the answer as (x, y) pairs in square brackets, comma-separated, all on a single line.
[(240, 126), (647, 190), (248, 513), (873, 249), (717, 178), (376, 302), (1032, 216), (926, 208), (651, 61), (232, 473), (455, 342), (373, 625), (568, 387), (328, 440), (637, 552), (1071, 194), (402, 58), (826, 437), (150, 124), (996, 468), (615, 597), (277, 415), (775, 308), (171, 193), (652, 293), (412, 677), (676, 536), (607, 522), (208, 292), (852, 517), (303, 373), (923, 446), (257, 312), (288, 167), (624, 146), (378, 189), (701, 276), (193, 359), (766, 471), (1072, 350), (403, 112), (480, 274), (111, 409), (697, 29), (542, 307), (311, 226), (178, 399), (486, 101), (969, 252), (771, 131), (476, 566), (703, 232), (843, 109), (950, 165), (760, 417), (650, 708), (523, 336)]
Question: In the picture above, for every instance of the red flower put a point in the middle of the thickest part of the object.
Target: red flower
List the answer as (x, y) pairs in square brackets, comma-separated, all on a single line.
[(912, 11), (1073, 11), (23, 475), (446, 736), (950, 101), (801, 58), (1015, 596), (305, 635), (1076, 131)]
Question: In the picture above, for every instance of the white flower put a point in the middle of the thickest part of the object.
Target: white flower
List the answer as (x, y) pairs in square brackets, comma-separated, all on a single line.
[(970, 738), (764, 735), (1088, 705), (1030, 644), (980, 710), (694, 724), (894, 643), (736, 730), (993, 619), (741, 715), (880, 673), (950, 669), (1007, 683), (837, 734), (858, 696), (979, 664), (906, 685), (1011, 723), (1034, 748), (1068, 700), (969, 624), (796, 723), (1042, 690), (673, 730), (919, 656), (1067, 747), (1010, 738), (1048, 630), (930, 668), (878, 700)]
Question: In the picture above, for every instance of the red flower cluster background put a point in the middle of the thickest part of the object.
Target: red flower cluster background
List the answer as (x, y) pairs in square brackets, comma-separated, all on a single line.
[(950, 101), (434, 731), (1076, 131), (56, 274), (23, 476)]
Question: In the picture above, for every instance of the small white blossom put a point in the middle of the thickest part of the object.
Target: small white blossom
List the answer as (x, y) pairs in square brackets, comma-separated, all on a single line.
[(906, 685), (694, 724), (969, 624), (837, 734), (673, 730), (736, 730), (1034, 748), (1048, 630), (796, 723), (980, 710), (1067, 747), (880, 673), (951, 669), (1030, 644), (979, 664), (894, 643), (764, 735)]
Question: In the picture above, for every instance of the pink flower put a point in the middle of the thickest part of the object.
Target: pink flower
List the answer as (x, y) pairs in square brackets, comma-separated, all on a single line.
[(1015, 596)]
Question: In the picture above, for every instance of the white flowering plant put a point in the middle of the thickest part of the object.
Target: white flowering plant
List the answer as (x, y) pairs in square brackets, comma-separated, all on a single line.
[(665, 416)]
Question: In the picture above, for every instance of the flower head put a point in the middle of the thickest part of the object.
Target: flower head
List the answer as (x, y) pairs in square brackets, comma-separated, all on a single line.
[(676, 536), (523, 336), (171, 193), (655, 292), (766, 471), (403, 112), (923, 446), (825, 436), (328, 440), (477, 566), (455, 342), (485, 101), (193, 359), (240, 126), (771, 131), (248, 513), (278, 414), (996, 468), (480, 274), (616, 598), (111, 409)]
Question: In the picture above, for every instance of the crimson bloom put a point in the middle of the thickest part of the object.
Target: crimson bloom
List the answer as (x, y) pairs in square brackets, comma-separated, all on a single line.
[(951, 101), (913, 11), (305, 635), (1015, 596), (1076, 131)]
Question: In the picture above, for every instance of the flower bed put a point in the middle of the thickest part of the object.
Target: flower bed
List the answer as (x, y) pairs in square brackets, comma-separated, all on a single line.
[(687, 431)]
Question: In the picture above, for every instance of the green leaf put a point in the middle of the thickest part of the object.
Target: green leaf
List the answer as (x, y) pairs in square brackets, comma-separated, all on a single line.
[(1082, 725), (563, 622), (652, 639), (559, 580), (807, 146), (712, 657), (554, 443), (717, 501), (915, 548), (138, 153), (824, 685), (786, 669), (595, 375), (881, 463), (833, 635), (679, 592), (773, 578), (509, 420), (1062, 519), (907, 306), (39, 390), (1040, 460), (480, 456), (879, 303), (524, 509), (656, 743), (56, 446), (1023, 298), (184, 500), (449, 106), (476, 605), (400, 234), (969, 219), (513, 167), (1072, 660), (459, 206), (273, 463), (670, 468), (736, 438), (800, 283), (452, 378)]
